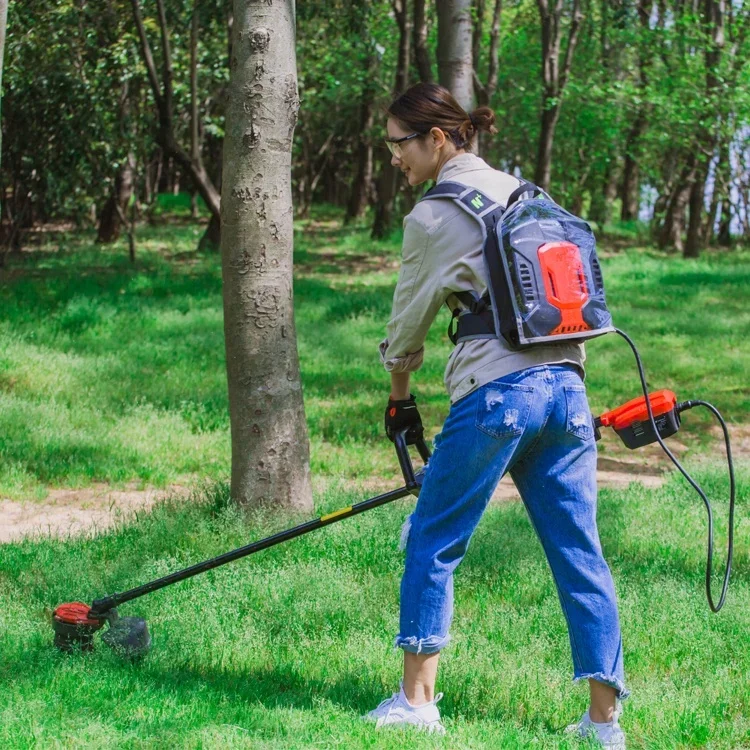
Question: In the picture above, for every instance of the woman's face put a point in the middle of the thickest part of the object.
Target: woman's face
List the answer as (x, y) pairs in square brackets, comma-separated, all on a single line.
[(420, 159)]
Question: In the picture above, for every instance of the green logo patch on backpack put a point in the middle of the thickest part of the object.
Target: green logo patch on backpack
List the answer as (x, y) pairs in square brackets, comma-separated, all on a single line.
[(476, 201)]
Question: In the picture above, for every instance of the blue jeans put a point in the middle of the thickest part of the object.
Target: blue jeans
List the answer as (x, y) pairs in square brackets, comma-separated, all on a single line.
[(537, 425)]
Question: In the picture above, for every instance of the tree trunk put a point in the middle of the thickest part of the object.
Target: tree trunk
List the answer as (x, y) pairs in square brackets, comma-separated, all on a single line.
[(361, 186), (385, 188), (210, 242), (362, 182), (630, 193), (385, 192), (694, 239), (722, 198), (670, 233), (542, 175), (3, 26), (270, 449), (421, 55), (554, 78), (454, 53), (485, 93), (110, 221)]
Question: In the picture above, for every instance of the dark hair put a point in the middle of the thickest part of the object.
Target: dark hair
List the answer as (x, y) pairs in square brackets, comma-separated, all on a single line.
[(428, 105)]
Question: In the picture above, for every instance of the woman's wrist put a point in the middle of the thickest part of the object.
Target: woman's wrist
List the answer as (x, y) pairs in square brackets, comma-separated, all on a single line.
[(400, 386)]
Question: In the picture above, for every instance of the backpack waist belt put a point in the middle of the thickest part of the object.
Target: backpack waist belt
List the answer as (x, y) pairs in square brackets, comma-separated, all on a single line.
[(472, 326)]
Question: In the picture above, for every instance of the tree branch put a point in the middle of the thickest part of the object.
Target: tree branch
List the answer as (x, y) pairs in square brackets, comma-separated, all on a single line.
[(195, 151), (166, 62), (575, 25), (148, 58)]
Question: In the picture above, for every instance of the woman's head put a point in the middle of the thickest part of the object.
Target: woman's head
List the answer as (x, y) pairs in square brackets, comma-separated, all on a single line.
[(427, 127)]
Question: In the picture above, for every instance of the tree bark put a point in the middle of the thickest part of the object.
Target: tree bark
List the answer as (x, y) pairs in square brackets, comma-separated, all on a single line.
[(361, 186), (693, 242), (554, 78), (270, 450), (714, 12), (485, 93), (454, 53), (362, 182), (670, 233), (3, 26), (421, 55), (110, 221), (386, 185)]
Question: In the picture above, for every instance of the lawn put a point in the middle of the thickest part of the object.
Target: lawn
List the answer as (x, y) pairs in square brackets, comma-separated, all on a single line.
[(116, 374)]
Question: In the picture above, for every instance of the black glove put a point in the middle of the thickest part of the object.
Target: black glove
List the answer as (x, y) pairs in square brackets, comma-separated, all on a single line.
[(401, 414)]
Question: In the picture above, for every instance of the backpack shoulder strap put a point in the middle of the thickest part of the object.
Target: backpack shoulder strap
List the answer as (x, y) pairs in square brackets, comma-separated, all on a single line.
[(471, 200), (525, 191)]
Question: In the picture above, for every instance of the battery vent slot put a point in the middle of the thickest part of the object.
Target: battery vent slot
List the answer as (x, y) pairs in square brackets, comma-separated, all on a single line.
[(598, 278), (527, 280)]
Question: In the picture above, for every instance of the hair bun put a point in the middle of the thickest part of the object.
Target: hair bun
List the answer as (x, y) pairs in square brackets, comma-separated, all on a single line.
[(483, 118)]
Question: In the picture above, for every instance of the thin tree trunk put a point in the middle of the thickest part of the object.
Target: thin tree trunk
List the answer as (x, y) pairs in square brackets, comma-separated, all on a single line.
[(421, 55), (713, 27), (163, 96), (362, 182), (270, 449), (670, 233), (114, 209), (630, 194), (554, 78), (693, 243), (485, 93), (3, 26), (386, 186), (361, 186)]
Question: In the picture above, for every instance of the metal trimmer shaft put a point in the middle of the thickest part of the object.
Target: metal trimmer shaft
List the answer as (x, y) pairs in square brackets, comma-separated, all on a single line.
[(100, 607)]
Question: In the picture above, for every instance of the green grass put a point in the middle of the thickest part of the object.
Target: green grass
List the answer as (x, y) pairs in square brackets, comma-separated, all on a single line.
[(110, 373), (286, 649)]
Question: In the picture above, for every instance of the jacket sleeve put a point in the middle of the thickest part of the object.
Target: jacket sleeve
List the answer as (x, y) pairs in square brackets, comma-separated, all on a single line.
[(416, 302)]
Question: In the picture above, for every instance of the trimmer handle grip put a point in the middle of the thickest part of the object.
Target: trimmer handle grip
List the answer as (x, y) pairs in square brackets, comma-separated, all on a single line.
[(402, 442)]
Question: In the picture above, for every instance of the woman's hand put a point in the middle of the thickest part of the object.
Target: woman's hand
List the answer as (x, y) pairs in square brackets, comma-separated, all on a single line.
[(401, 414)]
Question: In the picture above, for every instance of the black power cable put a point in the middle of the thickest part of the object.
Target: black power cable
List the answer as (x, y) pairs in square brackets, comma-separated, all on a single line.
[(683, 406)]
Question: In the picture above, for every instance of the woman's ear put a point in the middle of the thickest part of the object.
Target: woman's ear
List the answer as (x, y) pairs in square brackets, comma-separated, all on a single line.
[(438, 137)]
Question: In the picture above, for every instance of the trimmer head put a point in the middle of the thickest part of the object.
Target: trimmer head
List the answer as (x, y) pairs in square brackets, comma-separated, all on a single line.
[(74, 629), (75, 626)]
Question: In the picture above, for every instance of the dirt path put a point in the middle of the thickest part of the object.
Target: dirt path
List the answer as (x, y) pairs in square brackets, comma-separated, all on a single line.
[(72, 512)]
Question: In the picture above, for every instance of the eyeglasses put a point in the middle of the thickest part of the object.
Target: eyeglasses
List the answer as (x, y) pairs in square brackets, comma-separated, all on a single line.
[(394, 143)]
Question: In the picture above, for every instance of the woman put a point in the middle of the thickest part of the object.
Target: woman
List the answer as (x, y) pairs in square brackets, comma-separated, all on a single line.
[(516, 411)]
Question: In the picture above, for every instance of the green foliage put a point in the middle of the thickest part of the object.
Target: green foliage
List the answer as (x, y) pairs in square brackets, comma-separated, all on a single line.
[(77, 99)]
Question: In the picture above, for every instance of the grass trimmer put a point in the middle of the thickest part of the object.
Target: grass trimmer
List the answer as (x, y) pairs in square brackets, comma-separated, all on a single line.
[(75, 623)]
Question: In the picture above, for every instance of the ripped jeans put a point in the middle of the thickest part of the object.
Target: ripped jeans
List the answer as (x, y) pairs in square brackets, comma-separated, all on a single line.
[(537, 425)]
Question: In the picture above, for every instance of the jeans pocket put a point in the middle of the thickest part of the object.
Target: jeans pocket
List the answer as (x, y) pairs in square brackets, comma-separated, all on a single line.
[(503, 409), (578, 420)]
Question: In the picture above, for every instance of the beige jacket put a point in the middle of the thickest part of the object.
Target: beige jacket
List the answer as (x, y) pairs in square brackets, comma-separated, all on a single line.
[(442, 254)]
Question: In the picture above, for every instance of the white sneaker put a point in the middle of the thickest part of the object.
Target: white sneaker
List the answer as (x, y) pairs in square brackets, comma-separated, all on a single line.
[(398, 710), (608, 734)]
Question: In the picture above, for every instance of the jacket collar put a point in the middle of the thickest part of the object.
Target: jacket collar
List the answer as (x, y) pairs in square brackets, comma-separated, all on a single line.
[(459, 164)]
